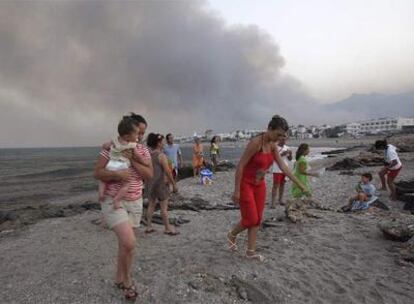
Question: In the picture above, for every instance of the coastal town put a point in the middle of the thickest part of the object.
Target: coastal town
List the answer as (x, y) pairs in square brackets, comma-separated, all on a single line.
[(372, 127)]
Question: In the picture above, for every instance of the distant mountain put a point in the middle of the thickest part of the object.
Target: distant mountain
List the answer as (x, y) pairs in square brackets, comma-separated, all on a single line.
[(366, 106)]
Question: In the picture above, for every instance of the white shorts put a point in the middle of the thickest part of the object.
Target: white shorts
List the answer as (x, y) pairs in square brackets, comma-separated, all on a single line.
[(116, 165), (131, 211)]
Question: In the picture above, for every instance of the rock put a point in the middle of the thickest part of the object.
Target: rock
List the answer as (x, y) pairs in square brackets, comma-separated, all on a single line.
[(379, 204), (334, 152), (91, 206), (407, 251), (7, 226), (346, 173), (370, 159), (242, 293), (296, 210), (157, 219), (405, 186), (249, 291), (12, 216), (345, 164), (195, 284), (400, 230), (225, 166), (185, 172), (405, 193), (8, 216)]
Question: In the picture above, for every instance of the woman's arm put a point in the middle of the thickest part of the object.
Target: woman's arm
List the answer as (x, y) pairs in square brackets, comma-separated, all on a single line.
[(287, 171), (302, 170), (104, 175), (248, 153), (146, 171), (164, 163)]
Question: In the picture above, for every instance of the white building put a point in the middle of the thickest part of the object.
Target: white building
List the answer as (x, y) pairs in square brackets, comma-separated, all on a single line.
[(353, 128), (386, 124)]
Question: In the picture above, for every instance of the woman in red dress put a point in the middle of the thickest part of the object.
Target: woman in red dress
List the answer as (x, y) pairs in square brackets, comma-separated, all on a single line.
[(250, 186)]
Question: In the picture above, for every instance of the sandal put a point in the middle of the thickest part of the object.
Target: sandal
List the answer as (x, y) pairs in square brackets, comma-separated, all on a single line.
[(151, 230), (252, 255), (131, 293), (120, 285), (171, 233), (232, 244)]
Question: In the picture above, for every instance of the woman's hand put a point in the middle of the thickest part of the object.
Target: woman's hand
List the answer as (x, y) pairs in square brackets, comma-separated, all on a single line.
[(304, 190), (123, 175), (236, 197), (315, 174)]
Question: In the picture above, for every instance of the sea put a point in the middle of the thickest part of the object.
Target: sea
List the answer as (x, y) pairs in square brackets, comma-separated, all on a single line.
[(32, 176)]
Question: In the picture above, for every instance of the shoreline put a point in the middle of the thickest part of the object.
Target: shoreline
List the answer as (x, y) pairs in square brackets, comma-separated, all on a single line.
[(329, 257)]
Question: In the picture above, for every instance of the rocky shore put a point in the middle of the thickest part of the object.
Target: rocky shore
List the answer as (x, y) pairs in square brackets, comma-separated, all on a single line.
[(326, 257)]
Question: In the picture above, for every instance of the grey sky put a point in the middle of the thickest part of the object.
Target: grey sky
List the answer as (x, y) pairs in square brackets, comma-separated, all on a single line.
[(337, 47), (70, 70)]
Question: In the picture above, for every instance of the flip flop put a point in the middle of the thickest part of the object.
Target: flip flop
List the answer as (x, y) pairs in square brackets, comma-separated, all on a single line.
[(149, 230), (171, 233), (252, 255), (120, 285), (131, 293), (232, 245)]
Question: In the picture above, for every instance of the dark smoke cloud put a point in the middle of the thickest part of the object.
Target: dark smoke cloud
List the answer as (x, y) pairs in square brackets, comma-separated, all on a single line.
[(69, 70)]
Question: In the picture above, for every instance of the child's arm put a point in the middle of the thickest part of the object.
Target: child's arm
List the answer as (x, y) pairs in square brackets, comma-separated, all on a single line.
[(139, 159), (107, 146)]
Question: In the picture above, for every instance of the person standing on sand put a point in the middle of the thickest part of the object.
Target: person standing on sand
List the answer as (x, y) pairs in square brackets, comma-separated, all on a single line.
[(198, 159), (279, 178), (214, 151), (392, 167), (123, 220), (301, 172), (174, 154), (157, 187), (250, 185)]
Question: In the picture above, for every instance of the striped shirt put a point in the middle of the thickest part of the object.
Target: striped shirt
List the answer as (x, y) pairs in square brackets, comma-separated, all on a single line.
[(136, 183)]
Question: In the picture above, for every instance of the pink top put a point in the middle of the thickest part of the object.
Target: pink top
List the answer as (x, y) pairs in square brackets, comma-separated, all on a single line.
[(135, 179)]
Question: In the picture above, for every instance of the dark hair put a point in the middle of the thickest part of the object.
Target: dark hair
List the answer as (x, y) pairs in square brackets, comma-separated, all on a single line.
[(367, 175), (126, 126), (381, 144), (138, 119), (301, 150), (213, 139), (153, 140), (278, 122), (168, 136)]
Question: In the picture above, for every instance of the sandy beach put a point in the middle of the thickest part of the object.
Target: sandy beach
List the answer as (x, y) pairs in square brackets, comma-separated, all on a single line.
[(329, 258)]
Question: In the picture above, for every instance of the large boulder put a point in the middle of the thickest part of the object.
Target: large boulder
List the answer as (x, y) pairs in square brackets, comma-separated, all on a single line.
[(400, 230), (370, 159), (345, 164), (405, 193)]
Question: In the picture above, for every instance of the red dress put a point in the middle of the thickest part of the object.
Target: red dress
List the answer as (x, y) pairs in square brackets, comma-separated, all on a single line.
[(253, 189)]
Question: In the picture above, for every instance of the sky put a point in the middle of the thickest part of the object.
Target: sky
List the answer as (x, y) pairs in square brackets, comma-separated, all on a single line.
[(336, 48), (69, 70)]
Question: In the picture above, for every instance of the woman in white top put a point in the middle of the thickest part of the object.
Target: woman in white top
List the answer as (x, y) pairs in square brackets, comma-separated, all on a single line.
[(392, 166)]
